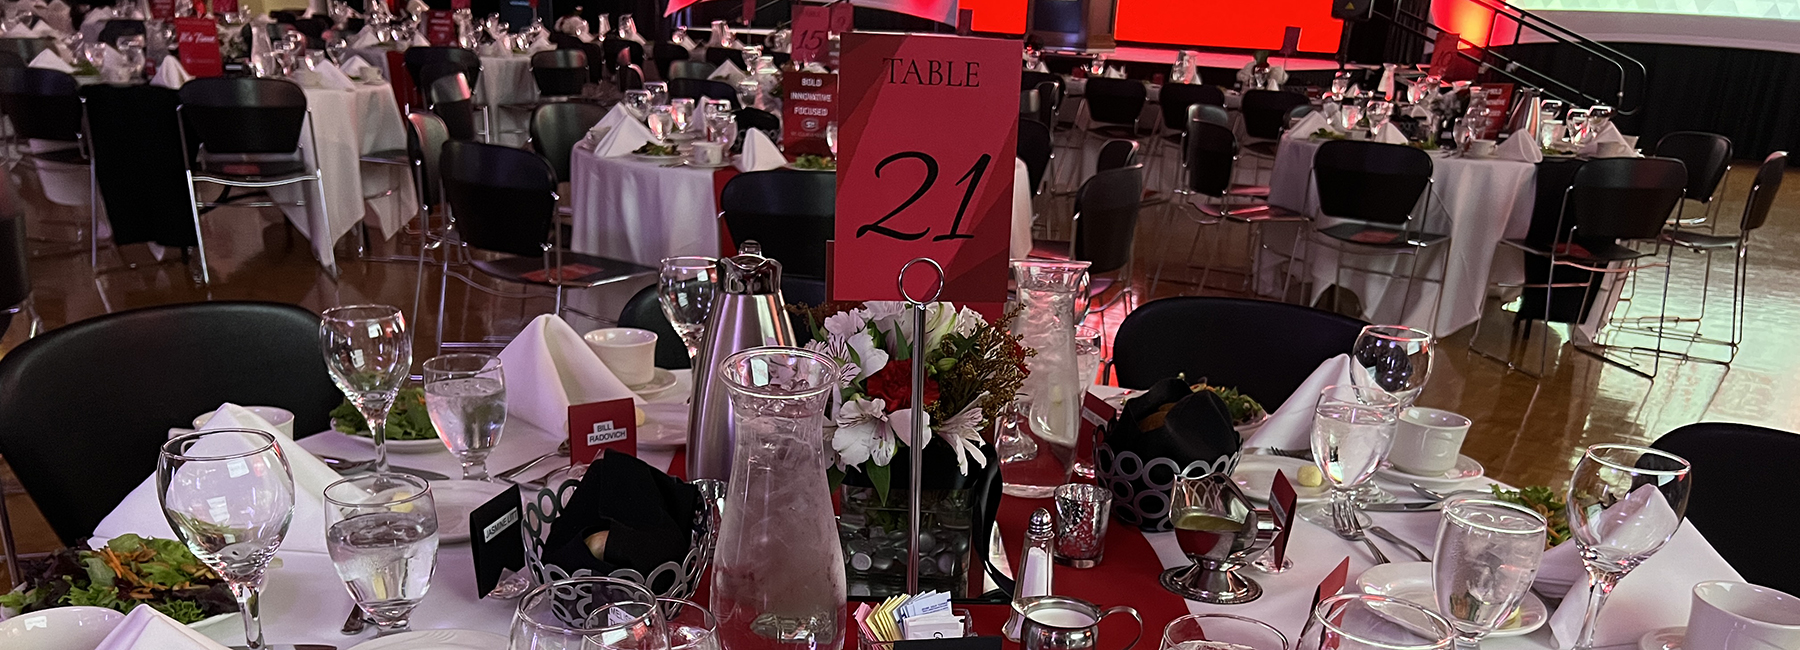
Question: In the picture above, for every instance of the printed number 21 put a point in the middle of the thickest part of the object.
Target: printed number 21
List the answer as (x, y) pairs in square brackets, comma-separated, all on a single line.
[(972, 178)]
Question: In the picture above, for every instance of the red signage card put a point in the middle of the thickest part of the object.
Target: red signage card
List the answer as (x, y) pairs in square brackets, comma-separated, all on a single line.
[(927, 132), (601, 425), (1282, 500), (197, 41), (1334, 582), (440, 27), (1095, 413), (459, 4), (843, 17), (1498, 99), (162, 9), (224, 6), (812, 33), (810, 100)]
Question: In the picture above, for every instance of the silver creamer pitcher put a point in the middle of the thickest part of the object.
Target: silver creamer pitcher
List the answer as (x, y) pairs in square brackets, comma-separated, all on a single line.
[(747, 312)]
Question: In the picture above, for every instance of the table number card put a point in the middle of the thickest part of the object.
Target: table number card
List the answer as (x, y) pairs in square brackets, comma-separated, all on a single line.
[(927, 132), (1282, 499), (497, 538), (197, 39), (812, 33), (602, 425)]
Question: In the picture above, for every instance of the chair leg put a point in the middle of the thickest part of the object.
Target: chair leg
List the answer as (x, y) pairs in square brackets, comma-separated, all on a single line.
[(93, 220), (199, 237), (1162, 245), (443, 291), (324, 220)]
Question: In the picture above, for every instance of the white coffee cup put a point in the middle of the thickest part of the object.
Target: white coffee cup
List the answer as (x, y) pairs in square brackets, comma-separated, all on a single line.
[(1614, 150), (283, 419), (629, 352), (709, 153), (1742, 616), (1427, 441), (1483, 148)]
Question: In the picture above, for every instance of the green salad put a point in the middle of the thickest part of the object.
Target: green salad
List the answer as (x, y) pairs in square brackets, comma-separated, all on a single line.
[(408, 421), (653, 149), (127, 572), (1243, 409), (1547, 503), (811, 161)]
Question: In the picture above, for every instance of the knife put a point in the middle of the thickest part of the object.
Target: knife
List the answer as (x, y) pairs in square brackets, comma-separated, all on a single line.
[(1405, 507), (349, 467)]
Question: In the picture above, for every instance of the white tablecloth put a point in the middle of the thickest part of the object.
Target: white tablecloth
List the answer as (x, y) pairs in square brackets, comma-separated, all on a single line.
[(1476, 202), (345, 125), (639, 211), (507, 80)]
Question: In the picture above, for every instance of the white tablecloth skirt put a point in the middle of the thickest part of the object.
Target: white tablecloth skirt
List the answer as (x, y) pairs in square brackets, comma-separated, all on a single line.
[(345, 125), (507, 80)]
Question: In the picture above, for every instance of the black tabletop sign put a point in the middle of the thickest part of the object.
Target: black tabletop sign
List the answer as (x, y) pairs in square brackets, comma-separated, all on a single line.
[(497, 537), (964, 643)]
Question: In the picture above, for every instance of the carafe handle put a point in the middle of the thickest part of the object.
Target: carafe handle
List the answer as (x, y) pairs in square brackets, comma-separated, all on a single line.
[(1122, 609)]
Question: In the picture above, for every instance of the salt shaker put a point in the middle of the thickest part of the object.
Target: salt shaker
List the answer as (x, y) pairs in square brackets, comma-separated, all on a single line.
[(1035, 568)]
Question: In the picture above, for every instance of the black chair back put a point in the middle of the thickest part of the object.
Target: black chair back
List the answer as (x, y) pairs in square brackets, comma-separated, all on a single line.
[(27, 48), (1108, 209), (689, 70), (1266, 112), (1624, 198), (1370, 181), (1035, 145), (42, 104), (503, 198), (118, 28), (1731, 464), (451, 100), (78, 462), (560, 73), (620, 52), (1115, 101), (243, 115), (1554, 176), (557, 127), (719, 55), (664, 56), (698, 89), (630, 77), (1115, 154), (789, 212), (756, 118), (644, 311), (1049, 102), (1706, 156), (1211, 156), (1262, 348), (1176, 98), (1763, 191), (461, 60), (139, 162), (1208, 112), (15, 275), (426, 135)]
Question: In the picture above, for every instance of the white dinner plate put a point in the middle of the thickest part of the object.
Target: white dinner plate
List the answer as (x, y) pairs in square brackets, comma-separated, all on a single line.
[(1411, 581), (1256, 472), (455, 500), (665, 425), (697, 165), (1466, 469), (660, 381), (424, 446), (663, 159), (435, 639)]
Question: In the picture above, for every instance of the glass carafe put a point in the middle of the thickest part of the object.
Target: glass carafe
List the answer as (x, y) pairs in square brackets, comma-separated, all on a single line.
[(778, 571), (1048, 292)]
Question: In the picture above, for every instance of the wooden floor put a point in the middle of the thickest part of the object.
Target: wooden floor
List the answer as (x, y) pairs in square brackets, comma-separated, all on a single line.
[(1526, 432)]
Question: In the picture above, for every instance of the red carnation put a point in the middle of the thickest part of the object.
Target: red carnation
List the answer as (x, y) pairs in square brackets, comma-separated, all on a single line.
[(894, 384)]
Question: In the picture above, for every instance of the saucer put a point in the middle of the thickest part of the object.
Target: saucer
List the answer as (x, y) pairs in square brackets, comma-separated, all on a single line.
[(660, 381), (1411, 581), (1255, 474), (1466, 469), (1668, 638)]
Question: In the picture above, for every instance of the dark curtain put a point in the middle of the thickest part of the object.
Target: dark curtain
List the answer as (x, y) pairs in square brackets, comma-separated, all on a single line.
[(1745, 95)]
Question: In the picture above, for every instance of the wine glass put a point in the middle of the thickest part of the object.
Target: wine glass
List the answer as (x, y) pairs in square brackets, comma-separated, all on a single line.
[(1598, 116), (466, 397), (1192, 631), (1576, 122), (1625, 502), (661, 121), (1088, 344), (1463, 133), (382, 533), (722, 128), (589, 612), (686, 289), (1397, 358), (1379, 112), (682, 108), (1369, 621), (369, 353), (831, 138), (1487, 555), (637, 103), (691, 627), (659, 92), (1353, 428), (229, 495), (1340, 85)]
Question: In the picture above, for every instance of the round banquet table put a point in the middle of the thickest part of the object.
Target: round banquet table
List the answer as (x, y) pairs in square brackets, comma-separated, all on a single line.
[(345, 125), (1477, 202), (305, 602)]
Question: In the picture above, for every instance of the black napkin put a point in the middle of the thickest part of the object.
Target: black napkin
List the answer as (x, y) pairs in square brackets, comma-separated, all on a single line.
[(1170, 429), (649, 517)]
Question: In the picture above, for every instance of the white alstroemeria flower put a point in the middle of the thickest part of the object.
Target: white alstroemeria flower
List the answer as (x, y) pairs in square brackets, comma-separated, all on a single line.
[(963, 433), (869, 358), (864, 433), (889, 317), (839, 352), (940, 319), (969, 320), (847, 324)]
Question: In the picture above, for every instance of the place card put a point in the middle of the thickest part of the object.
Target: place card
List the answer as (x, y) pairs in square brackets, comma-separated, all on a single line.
[(197, 43), (1334, 582), (1282, 499), (609, 425), (497, 538), (1095, 413), (927, 133)]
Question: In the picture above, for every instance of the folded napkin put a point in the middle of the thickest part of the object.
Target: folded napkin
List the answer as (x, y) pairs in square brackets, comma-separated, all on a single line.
[(1277, 75), (170, 74), (760, 153), (147, 629), (1609, 133), (612, 119), (1654, 595), (1308, 125), (141, 511), (728, 72), (815, 68), (1290, 427), (330, 76), (48, 60), (1389, 134), (419, 39), (541, 44), (1170, 422), (548, 368), (627, 136), (365, 39), (1521, 146), (39, 30), (647, 515), (355, 67)]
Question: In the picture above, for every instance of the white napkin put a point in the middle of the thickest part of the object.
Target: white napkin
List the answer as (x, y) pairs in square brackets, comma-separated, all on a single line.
[(1654, 595), (540, 45), (170, 74), (147, 629), (548, 368), (141, 511), (1521, 146), (728, 72), (623, 139), (1290, 427), (48, 60), (365, 39), (354, 66), (760, 153), (419, 39), (815, 67), (1608, 133), (40, 30), (612, 119), (330, 76), (1308, 125), (1385, 89), (1390, 134)]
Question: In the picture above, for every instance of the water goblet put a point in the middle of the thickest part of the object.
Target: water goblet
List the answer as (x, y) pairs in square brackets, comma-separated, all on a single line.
[(682, 108), (1374, 622), (1487, 555), (1379, 112), (589, 613), (722, 129), (659, 92), (1353, 428), (381, 531), (637, 103), (691, 627), (1195, 631), (369, 353), (1397, 358), (661, 121), (465, 394), (686, 287), (1624, 503)]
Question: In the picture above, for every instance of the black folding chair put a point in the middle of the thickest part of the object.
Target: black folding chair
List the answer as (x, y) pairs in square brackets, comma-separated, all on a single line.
[(620, 53), (1208, 166), (755, 118), (427, 64), (1265, 114), (1116, 154), (629, 77), (139, 166), (1035, 148), (1376, 189), (689, 70), (665, 55), (1262, 348), (719, 55), (1733, 464), (1756, 212), (556, 128), (1105, 233), (450, 98), (560, 74), (1708, 160), (788, 212), (1176, 102), (644, 311), (1113, 107)]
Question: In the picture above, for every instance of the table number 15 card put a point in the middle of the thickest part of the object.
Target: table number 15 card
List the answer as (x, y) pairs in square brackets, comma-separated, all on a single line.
[(927, 133)]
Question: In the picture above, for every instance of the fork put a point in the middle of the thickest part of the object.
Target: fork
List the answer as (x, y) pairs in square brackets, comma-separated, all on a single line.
[(1391, 537), (508, 475), (1351, 528)]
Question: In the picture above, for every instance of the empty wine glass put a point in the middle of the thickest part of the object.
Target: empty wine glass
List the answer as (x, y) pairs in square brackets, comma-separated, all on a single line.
[(229, 496), (637, 103), (382, 533), (1353, 428), (1368, 621), (1349, 115), (1194, 631), (659, 92), (661, 121), (369, 353), (1487, 555), (1598, 116), (831, 138), (1397, 358), (686, 289), (1576, 123), (1625, 502), (1340, 85), (589, 613), (466, 397), (722, 128)]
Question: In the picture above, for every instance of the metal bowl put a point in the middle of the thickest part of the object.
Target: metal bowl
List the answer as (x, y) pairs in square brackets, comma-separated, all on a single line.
[(676, 579)]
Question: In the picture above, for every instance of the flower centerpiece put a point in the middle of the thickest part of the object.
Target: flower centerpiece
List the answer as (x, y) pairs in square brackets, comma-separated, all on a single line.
[(973, 369)]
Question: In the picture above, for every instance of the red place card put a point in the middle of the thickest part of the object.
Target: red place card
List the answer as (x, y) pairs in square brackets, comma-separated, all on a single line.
[(1334, 582), (927, 132), (812, 33), (224, 7), (197, 41), (602, 425), (1282, 499), (809, 106), (440, 27), (1095, 412), (843, 17), (162, 9)]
